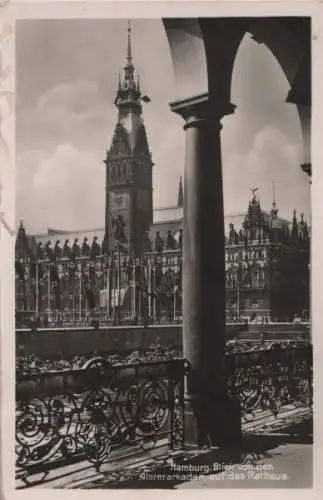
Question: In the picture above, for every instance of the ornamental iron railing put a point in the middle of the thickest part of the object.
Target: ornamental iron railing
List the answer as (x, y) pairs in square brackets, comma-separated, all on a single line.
[(271, 379), (101, 411), (96, 413)]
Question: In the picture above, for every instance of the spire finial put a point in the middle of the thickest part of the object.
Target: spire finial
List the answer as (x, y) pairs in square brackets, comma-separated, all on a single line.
[(129, 55), (129, 69)]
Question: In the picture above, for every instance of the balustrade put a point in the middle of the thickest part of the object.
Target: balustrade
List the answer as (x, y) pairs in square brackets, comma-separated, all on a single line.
[(101, 410), (95, 413)]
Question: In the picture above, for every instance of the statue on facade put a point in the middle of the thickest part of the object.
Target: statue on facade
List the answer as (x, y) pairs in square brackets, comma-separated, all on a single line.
[(119, 233), (85, 248), (254, 190), (233, 235), (105, 245), (147, 244), (57, 250), (22, 245), (76, 250), (40, 251), (95, 249), (48, 251), (67, 250), (159, 244), (170, 241)]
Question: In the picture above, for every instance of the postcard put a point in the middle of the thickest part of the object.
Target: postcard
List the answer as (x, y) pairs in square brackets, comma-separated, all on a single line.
[(157, 217)]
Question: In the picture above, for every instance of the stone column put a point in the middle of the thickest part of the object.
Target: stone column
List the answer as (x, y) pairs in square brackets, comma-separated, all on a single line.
[(204, 269)]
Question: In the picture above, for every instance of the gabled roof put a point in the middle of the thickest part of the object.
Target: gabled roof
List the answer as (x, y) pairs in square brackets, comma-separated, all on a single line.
[(141, 146), (120, 145)]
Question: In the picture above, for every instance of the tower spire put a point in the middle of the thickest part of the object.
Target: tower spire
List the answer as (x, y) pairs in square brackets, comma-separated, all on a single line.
[(129, 68), (129, 143), (128, 94), (129, 54)]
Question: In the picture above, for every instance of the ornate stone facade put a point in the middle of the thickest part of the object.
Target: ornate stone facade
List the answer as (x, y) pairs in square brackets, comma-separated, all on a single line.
[(266, 263), (267, 267)]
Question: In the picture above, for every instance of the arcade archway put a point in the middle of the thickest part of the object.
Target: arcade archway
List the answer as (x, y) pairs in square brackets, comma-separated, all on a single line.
[(203, 53)]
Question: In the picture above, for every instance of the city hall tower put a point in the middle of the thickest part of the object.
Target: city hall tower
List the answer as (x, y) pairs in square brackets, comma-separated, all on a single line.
[(129, 204)]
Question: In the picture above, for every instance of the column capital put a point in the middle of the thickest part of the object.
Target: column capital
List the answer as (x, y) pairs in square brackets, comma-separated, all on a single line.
[(307, 168), (198, 109)]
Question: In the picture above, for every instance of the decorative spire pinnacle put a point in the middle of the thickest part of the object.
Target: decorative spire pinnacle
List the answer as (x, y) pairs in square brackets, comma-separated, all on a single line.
[(294, 233), (274, 210), (129, 69), (129, 55), (180, 196)]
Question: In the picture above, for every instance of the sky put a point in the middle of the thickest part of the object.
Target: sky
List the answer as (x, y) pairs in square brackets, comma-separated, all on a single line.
[(66, 82)]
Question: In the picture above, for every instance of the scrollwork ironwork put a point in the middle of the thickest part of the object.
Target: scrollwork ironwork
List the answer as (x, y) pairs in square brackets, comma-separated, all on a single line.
[(91, 412), (268, 380)]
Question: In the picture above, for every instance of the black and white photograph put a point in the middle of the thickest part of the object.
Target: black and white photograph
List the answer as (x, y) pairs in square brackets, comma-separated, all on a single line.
[(162, 253)]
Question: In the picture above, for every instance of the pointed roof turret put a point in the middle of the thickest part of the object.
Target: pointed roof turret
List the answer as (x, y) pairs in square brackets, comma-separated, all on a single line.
[(129, 103)]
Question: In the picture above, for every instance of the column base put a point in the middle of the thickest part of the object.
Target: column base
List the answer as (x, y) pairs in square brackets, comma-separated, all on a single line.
[(219, 425)]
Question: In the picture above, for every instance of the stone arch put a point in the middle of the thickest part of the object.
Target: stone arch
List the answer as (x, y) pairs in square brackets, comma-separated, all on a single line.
[(289, 40), (186, 43), (203, 52)]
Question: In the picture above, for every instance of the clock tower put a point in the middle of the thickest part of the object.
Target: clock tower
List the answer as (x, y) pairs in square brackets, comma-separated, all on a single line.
[(129, 204)]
